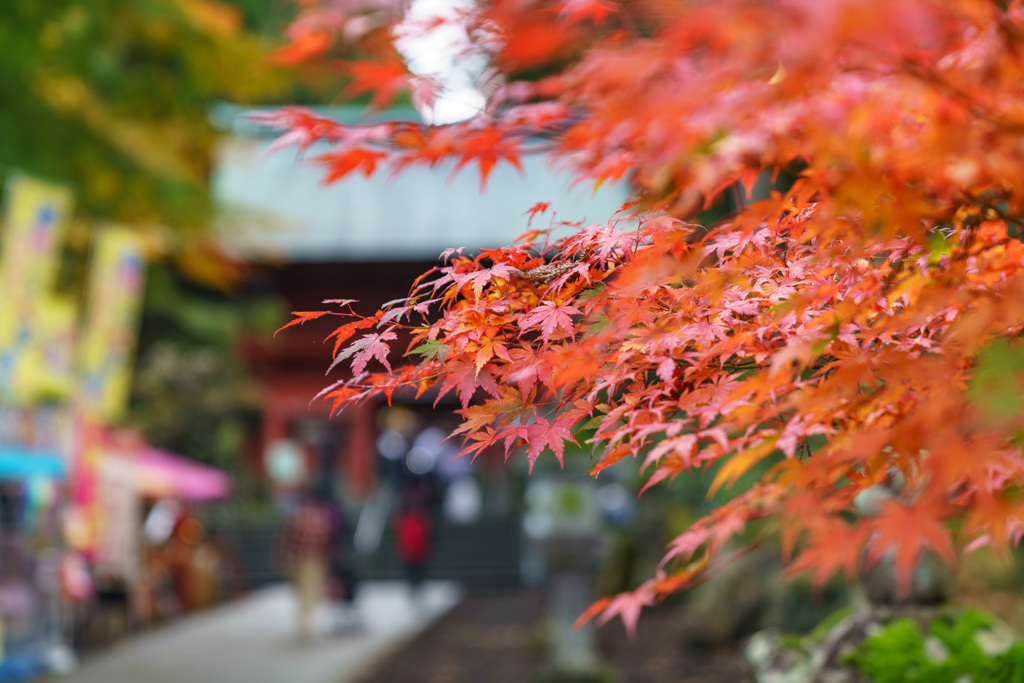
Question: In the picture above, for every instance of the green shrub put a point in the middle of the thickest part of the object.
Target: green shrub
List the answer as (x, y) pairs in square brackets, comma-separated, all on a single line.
[(898, 653)]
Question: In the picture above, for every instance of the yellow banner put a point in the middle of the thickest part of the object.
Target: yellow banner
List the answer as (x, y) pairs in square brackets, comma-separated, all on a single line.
[(107, 344), (35, 218), (49, 363)]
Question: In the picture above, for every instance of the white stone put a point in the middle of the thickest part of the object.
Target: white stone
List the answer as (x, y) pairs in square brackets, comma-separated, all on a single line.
[(995, 641), (934, 650)]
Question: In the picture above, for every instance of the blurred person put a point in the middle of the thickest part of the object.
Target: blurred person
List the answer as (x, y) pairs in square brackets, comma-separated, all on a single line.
[(163, 603), (413, 537), (342, 579), (179, 553), (203, 580), (307, 546)]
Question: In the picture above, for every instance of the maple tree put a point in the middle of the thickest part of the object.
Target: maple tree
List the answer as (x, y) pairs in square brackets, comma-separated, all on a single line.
[(869, 307)]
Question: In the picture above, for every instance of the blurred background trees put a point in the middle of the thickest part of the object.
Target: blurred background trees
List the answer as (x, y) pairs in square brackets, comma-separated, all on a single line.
[(111, 97)]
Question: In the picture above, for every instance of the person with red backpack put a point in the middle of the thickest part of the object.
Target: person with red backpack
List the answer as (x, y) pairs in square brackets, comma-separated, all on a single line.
[(413, 541)]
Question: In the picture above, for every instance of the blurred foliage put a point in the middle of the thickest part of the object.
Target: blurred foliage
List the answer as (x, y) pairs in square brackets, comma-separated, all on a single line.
[(192, 393), (267, 17), (111, 97), (898, 653), (996, 386)]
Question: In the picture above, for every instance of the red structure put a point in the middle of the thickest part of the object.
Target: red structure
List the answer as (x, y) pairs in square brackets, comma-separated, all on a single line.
[(291, 367)]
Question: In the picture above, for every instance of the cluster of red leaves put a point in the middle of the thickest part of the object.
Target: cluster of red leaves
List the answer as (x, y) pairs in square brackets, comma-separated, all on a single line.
[(851, 307)]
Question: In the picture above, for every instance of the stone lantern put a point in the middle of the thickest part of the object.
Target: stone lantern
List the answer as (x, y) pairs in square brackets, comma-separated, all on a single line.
[(562, 526)]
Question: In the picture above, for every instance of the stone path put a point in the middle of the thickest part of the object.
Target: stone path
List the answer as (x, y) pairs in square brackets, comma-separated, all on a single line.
[(252, 641)]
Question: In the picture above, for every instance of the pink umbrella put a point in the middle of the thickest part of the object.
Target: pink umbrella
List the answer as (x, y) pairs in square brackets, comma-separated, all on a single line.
[(166, 474)]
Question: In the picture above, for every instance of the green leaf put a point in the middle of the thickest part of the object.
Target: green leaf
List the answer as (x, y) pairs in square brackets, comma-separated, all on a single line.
[(938, 247), (430, 350)]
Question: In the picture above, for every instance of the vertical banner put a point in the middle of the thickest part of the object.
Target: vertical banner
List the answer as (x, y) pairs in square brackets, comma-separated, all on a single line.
[(105, 352), (35, 217), (107, 343)]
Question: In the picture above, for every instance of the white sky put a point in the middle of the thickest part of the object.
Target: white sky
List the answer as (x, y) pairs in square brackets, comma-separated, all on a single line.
[(440, 54)]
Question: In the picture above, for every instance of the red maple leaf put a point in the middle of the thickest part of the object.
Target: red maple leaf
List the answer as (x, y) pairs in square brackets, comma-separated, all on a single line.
[(546, 434), (539, 207), (301, 317), (537, 42), (384, 79), (466, 378), (486, 146), (550, 317), (368, 347), (340, 162), (627, 607)]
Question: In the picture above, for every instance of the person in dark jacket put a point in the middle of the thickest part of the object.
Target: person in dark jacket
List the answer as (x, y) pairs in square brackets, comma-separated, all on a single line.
[(342, 579)]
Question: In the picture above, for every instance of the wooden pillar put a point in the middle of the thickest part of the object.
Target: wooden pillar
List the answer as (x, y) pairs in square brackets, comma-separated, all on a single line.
[(361, 460)]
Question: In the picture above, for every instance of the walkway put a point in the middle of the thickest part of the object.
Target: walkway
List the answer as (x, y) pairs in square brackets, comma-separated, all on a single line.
[(251, 641)]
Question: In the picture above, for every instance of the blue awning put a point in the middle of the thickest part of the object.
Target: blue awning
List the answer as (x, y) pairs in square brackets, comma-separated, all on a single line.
[(23, 463)]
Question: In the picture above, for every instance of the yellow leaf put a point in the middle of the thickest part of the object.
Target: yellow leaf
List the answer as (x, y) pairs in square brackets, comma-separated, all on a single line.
[(738, 465)]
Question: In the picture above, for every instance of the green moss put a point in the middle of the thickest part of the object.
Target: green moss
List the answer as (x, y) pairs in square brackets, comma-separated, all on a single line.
[(897, 653), (893, 655)]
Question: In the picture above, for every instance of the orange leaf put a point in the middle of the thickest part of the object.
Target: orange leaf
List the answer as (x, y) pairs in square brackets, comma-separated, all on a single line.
[(304, 48), (833, 545), (590, 613), (610, 459), (907, 530), (301, 317), (737, 465)]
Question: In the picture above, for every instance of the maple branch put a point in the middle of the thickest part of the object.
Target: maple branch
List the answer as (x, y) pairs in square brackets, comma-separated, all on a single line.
[(545, 273)]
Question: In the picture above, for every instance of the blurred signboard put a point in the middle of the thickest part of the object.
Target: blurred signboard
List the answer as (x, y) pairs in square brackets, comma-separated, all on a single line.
[(118, 514), (35, 217), (107, 345)]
